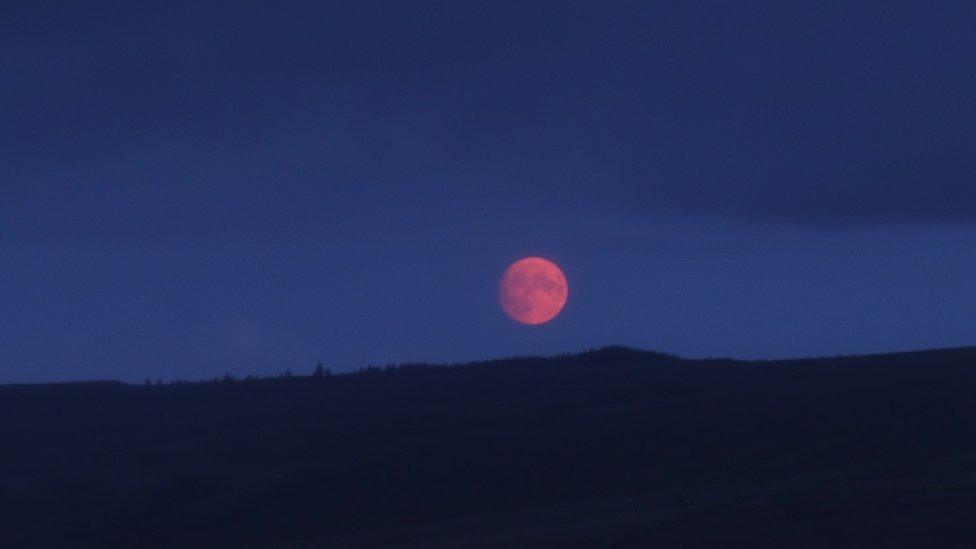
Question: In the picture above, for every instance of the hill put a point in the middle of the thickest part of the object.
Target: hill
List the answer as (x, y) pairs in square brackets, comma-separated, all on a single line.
[(609, 448)]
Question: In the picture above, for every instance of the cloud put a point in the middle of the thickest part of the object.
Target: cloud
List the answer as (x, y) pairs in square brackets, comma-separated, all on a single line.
[(332, 119)]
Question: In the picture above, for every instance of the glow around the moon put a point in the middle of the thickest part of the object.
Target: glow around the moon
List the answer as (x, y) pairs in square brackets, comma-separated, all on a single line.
[(533, 290)]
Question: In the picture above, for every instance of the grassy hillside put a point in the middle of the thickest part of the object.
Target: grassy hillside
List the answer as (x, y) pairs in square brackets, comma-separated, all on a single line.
[(611, 448)]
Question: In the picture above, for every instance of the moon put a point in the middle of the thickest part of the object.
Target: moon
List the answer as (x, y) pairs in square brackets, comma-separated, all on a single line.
[(533, 290)]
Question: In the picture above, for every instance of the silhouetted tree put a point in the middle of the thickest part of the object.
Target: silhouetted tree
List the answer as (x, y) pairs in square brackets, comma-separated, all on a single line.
[(319, 372)]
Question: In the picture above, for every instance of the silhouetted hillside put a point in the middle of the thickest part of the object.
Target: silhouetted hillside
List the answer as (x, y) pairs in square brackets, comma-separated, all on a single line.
[(616, 448)]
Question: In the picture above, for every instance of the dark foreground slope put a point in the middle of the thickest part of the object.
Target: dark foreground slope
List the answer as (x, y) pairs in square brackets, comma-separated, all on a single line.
[(614, 448)]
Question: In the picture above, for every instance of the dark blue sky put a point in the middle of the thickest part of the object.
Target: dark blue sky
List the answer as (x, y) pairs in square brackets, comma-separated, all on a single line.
[(194, 188)]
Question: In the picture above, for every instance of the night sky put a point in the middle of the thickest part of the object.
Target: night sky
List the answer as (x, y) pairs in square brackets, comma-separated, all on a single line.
[(189, 189)]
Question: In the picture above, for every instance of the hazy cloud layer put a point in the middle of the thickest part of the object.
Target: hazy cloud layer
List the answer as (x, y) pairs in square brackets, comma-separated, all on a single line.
[(329, 118)]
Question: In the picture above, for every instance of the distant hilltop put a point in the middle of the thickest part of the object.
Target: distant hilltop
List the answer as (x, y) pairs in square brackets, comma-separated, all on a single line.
[(618, 446), (607, 356)]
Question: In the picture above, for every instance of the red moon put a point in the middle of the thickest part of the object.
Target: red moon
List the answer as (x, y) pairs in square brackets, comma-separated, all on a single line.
[(533, 290)]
